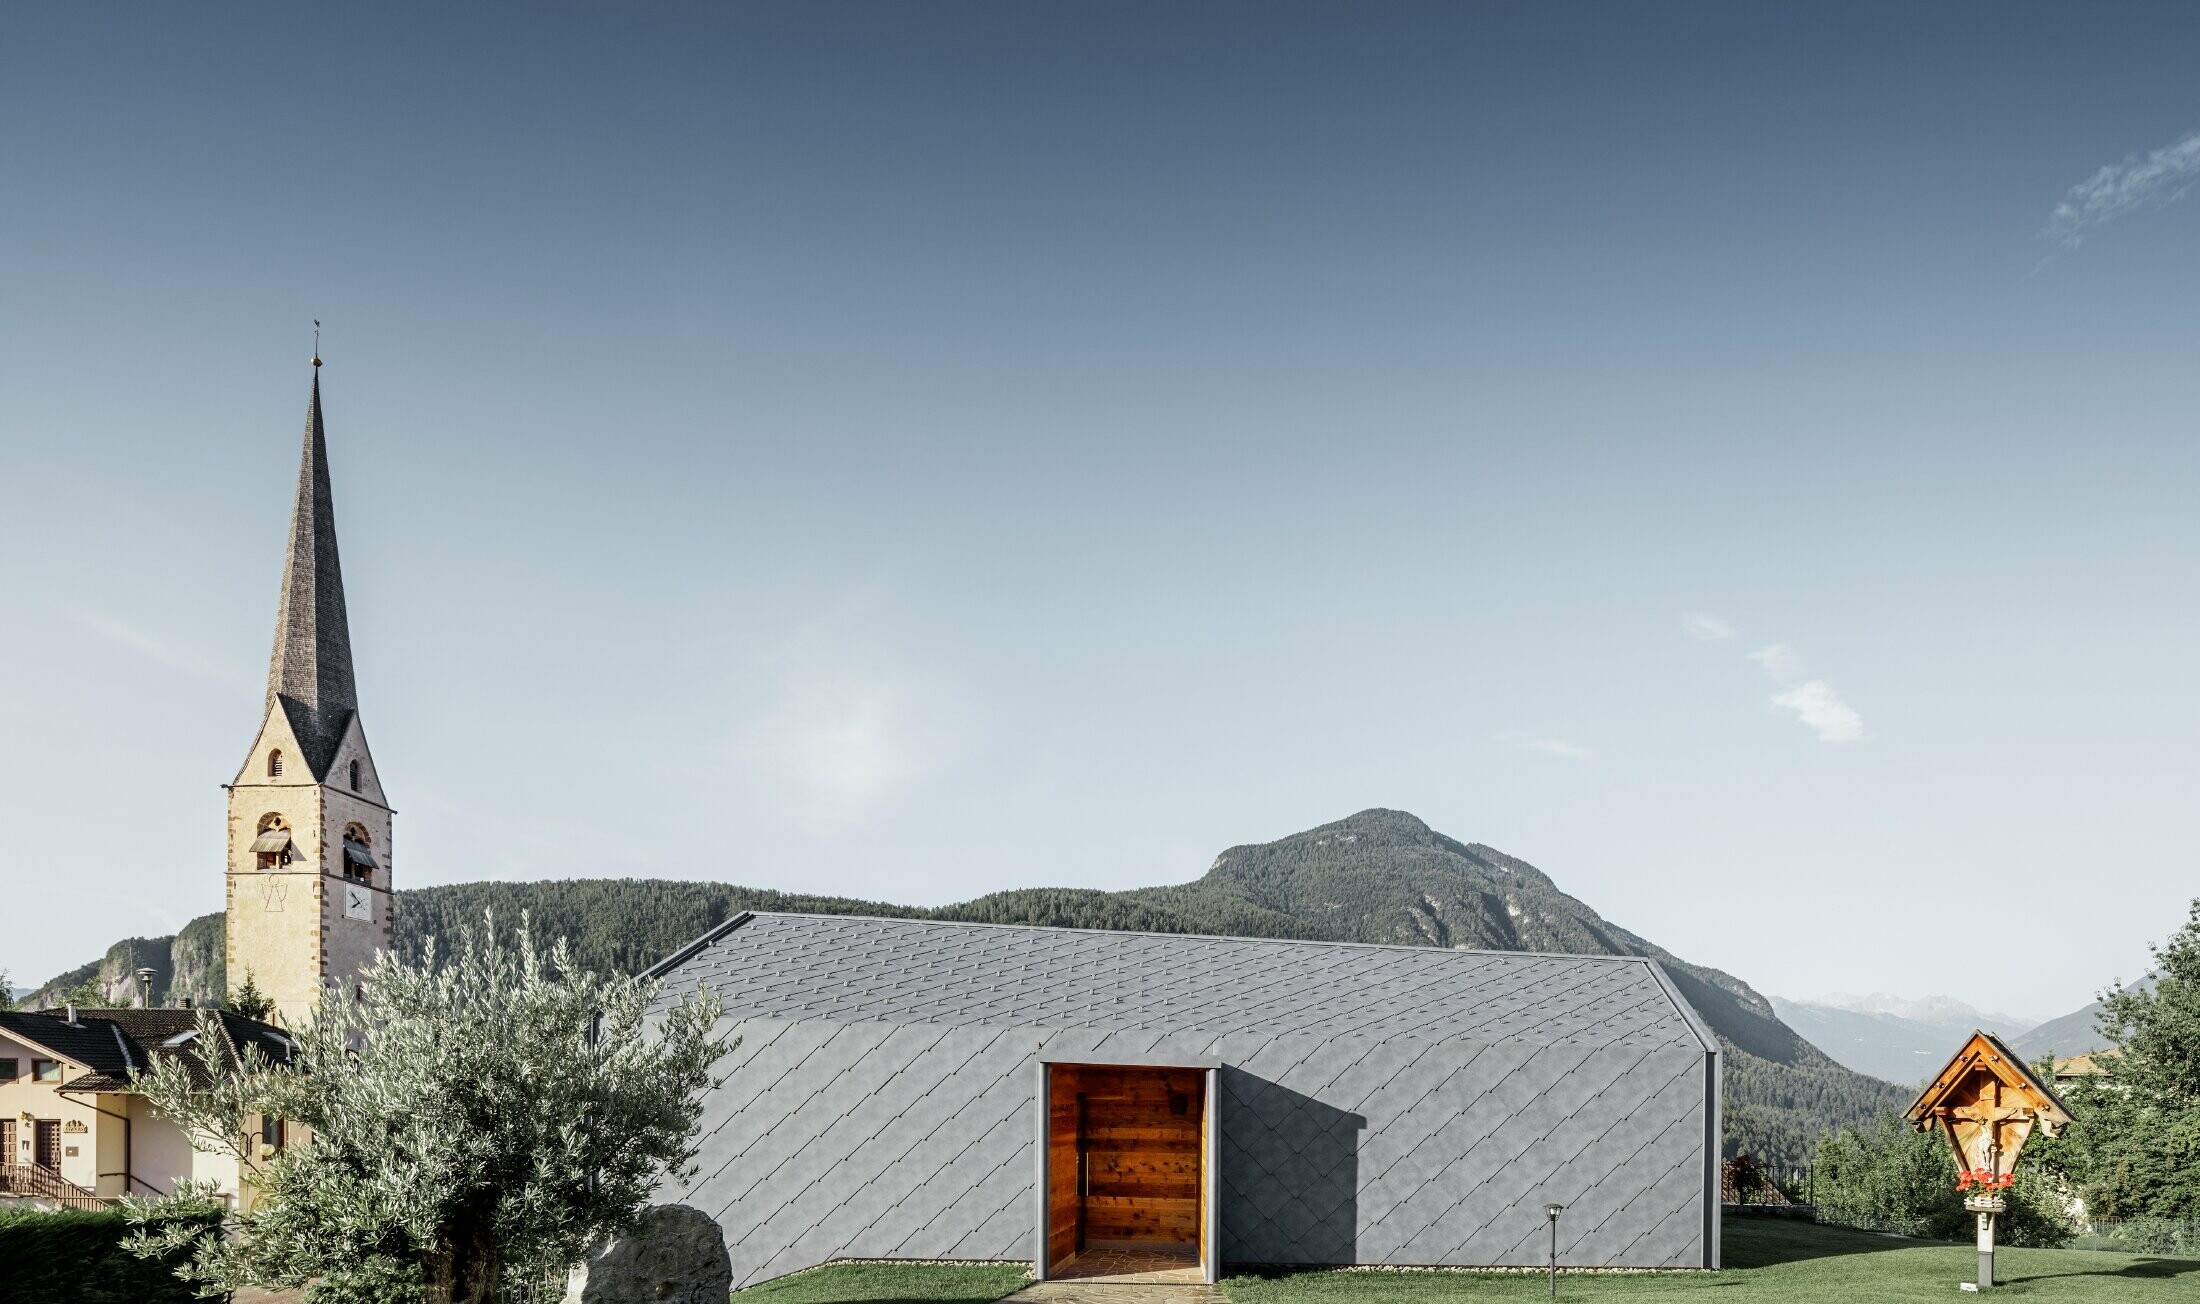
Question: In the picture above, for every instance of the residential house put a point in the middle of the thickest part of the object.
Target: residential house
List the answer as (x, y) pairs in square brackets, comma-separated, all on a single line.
[(71, 1131)]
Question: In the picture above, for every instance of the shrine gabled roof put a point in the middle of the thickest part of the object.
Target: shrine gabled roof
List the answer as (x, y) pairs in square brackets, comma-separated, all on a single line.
[(851, 969), (1987, 1051)]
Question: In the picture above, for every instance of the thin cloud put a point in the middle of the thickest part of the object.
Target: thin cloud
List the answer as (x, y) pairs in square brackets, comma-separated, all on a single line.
[(838, 749), (1820, 708), (2163, 176), (1815, 702), (1558, 747), (1779, 660), (1707, 628), (160, 651)]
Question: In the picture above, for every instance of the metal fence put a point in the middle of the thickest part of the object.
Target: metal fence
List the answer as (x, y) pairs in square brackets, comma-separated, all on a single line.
[(2123, 1235), (2179, 1236), (1914, 1228)]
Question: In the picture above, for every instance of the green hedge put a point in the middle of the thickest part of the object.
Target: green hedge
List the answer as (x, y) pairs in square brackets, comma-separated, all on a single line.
[(75, 1256)]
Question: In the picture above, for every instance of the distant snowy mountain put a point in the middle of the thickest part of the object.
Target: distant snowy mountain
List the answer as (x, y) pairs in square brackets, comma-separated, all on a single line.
[(1941, 1011), (1896, 1039)]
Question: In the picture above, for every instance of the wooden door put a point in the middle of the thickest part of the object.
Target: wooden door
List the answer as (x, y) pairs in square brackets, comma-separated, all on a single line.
[(7, 1142), (46, 1144), (1141, 1154)]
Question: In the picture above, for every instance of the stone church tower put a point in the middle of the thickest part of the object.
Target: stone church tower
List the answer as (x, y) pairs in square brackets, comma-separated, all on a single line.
[(309, 899)]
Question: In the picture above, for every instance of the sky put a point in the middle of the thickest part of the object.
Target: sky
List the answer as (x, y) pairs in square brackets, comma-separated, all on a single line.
[(1739, 459)]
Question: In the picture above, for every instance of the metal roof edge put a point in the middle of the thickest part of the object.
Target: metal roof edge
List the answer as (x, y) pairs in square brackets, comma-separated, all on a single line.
[(692, 949), (1681, 1006), (1126, 1059), (1204, 937)]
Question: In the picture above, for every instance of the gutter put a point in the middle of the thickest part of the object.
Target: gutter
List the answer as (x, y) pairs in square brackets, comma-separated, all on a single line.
[(129, 1179)]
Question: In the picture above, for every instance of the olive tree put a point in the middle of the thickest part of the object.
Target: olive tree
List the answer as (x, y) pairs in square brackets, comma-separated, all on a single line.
[(454, 1120)]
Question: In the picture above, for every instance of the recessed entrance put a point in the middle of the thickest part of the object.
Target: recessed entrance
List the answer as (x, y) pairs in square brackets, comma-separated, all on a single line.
[(1128, 1172)]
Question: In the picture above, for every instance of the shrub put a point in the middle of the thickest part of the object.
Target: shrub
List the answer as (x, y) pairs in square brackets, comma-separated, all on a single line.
[(2157, 1236), (75, 1256), (1888, 1176)]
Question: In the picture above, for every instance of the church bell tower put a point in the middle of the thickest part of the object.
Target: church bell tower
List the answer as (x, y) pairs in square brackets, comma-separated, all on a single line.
[(309, 898)]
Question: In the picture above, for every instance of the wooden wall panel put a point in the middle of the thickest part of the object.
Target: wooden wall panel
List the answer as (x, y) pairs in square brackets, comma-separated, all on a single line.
[(1063, 1231), (1206, 1178)]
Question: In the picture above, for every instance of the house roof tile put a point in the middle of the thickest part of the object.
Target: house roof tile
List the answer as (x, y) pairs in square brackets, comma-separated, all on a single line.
[(114, 1044)]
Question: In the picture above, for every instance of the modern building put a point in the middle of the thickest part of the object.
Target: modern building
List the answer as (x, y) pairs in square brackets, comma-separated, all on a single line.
[(70, 1131), (309, 897), (908, 1089)]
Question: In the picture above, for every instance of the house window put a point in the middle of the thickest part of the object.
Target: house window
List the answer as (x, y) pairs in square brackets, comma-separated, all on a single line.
[(355, 776), (9, 1072), (275, 765), (271, 1132), (45, 1070)]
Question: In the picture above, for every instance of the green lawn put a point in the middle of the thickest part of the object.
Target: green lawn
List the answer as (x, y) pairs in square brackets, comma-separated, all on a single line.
[(1775, 1261), (1769, 1261), (891, 1283)]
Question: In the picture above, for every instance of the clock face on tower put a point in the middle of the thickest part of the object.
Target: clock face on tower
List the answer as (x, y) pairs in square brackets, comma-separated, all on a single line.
[(358, 902)]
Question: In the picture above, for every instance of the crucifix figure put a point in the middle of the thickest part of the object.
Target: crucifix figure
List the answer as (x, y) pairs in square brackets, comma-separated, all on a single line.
[(1996, 1124)]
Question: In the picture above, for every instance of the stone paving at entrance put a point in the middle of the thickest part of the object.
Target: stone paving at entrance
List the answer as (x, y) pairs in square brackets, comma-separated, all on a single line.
[(1125, 1272), (1139, 1263), (1102, 1290)]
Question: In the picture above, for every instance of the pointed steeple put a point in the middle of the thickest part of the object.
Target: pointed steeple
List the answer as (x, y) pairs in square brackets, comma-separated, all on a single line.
[(309, 674)]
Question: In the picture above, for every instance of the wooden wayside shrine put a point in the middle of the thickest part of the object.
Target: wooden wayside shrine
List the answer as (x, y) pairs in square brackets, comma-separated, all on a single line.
[(1986, 1102)]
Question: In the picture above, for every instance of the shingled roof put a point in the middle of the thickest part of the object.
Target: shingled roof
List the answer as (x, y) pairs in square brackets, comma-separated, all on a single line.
[(310, 672), (852, 969), (112, 1045)]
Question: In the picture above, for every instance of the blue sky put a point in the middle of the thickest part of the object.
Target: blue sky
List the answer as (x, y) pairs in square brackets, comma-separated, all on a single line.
[(1739, 459)]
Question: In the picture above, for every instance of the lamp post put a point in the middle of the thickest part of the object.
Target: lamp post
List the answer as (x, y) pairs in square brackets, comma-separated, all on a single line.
[(1552, 1211)]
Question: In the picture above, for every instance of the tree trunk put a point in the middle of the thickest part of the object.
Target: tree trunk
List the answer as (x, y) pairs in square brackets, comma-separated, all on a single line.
[(464, 1266)]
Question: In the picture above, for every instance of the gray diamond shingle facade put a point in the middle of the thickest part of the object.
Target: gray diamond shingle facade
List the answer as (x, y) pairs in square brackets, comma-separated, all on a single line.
[(1375, 1104)]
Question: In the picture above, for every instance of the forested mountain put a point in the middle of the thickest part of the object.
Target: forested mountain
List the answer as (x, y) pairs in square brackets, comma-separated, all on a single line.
[(2075, 1033), (1379, 876)]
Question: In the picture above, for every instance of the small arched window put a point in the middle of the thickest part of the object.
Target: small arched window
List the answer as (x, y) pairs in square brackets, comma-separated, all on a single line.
[(275, 764), (355, 776)]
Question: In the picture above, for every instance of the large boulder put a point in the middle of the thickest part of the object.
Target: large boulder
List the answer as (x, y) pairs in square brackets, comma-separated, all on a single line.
[(676, 1255)]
